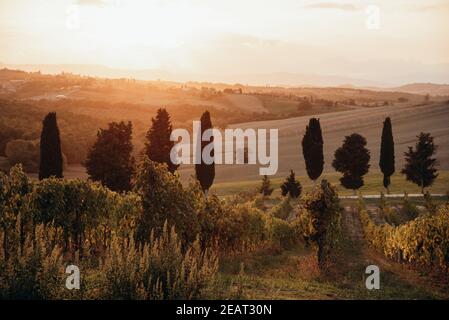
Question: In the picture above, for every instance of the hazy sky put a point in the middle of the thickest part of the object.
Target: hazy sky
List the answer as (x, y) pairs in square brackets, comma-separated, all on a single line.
[(408, 42)]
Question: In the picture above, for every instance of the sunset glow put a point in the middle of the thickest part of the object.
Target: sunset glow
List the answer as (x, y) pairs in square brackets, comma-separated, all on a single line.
[(204, 38)]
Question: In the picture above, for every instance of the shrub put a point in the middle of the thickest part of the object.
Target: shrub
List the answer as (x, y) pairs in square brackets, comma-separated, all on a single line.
[(265, 189), (408, 209), (15, 191), (390, 215), (231, 226), (281, 233), (291, 186), (322, 205), (34, 271), (164, 199), (431, 207), (283, 209), (158, 270)]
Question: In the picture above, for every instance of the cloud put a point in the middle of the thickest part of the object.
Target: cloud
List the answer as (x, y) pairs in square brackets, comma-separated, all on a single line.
[(92, 2), (434, 7), (331, 6)]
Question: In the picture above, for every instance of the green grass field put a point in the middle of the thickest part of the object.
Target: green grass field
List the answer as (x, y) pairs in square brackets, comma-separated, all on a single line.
[(373, 184), (294, 274)]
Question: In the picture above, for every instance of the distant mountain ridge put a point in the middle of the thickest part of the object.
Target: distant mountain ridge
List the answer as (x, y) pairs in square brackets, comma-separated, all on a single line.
[(284, 79), (425, 88)]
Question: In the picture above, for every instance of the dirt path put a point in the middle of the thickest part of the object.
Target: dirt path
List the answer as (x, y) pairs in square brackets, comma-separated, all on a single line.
[(352, 227), (397, 280)]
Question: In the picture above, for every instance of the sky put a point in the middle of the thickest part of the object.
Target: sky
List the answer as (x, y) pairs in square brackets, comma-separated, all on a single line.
[(382, 41)]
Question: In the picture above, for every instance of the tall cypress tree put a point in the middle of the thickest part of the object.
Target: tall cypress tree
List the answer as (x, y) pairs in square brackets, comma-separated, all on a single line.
[(386, 161), (420, 167), (158, 144), (205, 173), (312, 149), (110, 158), (50, 149)]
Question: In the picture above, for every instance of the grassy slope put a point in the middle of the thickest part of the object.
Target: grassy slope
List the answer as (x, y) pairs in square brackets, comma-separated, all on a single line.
[(373, 184)]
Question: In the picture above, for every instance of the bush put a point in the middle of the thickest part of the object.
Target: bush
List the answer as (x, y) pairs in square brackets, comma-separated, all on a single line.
[(158, 270), (323, 206), (304, 225), (265, 189), (34, 271), (431, 207), (390, 214), (164, 199), (231, 226), (283, 209), (282, 233), (408, 209)]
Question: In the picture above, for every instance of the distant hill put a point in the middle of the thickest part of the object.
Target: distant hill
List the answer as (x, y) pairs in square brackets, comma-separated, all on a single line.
[(424, 88), (272, 79)]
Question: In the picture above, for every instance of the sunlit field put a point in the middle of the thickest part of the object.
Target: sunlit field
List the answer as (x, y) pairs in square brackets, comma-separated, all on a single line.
[(372, 185)]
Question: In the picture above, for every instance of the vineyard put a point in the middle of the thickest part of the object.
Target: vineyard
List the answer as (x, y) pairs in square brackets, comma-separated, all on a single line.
[(168, 241), (153, 243), (423, 241)]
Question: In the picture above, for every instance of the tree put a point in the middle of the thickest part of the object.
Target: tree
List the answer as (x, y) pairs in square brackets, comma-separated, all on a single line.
[(312, 149), (158, 144), (386, 161), (420, 167), (352, 159), (25, 152), (164, 199), (51, 163), (205, 172), (110, 159), (291, 186), (266, 189)]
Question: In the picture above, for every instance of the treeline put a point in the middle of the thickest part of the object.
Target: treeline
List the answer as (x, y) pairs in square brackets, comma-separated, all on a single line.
[(111, 158), (21, 125), (352, 160), (20, 129)]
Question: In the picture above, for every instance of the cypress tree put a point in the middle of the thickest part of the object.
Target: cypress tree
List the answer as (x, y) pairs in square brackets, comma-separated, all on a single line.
[(386, 161), (266, 189), (420, 167), (352, 159), (110, 159), (50, 149), (312, 149), (158, 144), (291, 186), (205, 173)]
